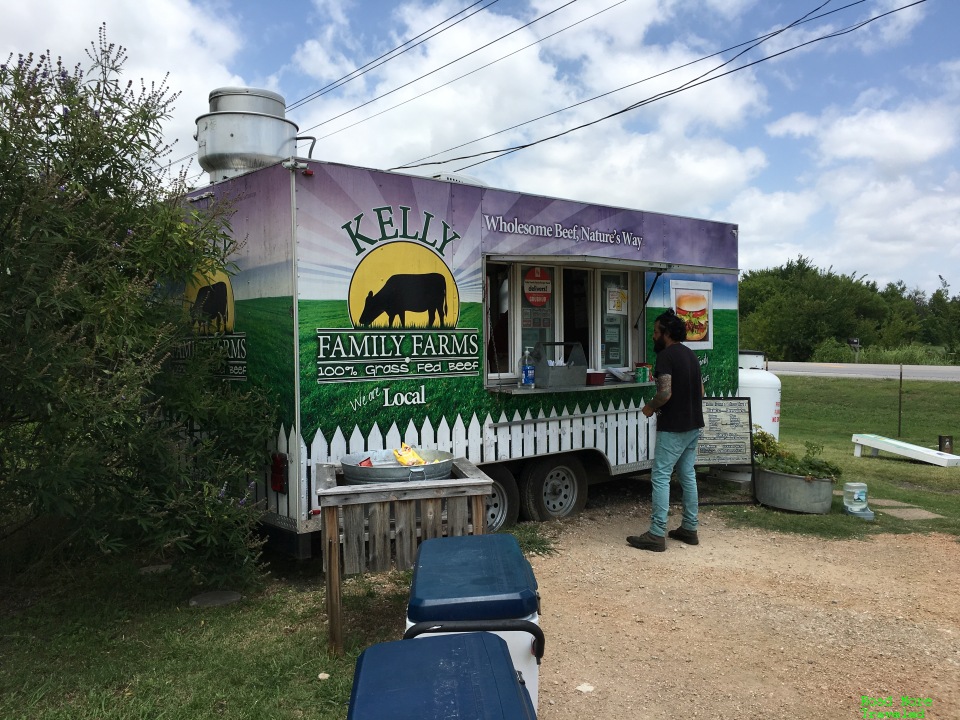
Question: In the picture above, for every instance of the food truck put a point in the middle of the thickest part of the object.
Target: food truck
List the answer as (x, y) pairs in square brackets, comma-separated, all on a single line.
[(383, 308)]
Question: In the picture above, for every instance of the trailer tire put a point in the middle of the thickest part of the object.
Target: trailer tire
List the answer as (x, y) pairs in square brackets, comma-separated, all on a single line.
[(553, 487), (503, 505)]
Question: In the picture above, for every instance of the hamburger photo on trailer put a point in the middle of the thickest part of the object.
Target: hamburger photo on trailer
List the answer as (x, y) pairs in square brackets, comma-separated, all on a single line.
[(692, 309)]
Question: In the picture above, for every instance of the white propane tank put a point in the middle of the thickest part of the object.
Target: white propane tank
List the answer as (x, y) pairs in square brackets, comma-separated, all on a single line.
[(763, 389)]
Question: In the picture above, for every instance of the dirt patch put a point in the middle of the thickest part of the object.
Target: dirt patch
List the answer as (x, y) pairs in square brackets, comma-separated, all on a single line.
[(911, 513), (748, 624)]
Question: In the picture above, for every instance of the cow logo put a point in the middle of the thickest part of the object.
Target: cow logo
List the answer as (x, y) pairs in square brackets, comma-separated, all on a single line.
[(403, 285), (210, 303)]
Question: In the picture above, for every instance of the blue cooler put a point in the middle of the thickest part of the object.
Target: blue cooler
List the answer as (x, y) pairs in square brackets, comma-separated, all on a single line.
[(479, 583), (468, 676)]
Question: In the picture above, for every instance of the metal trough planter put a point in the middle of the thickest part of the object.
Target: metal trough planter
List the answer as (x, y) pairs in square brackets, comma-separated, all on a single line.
[(385, 467), (793, 492)]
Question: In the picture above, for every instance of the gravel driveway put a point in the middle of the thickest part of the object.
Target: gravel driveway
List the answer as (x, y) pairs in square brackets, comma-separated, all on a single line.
[(748, 624)]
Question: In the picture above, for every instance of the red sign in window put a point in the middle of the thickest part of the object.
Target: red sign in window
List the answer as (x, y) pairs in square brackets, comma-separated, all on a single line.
[(537, 286)]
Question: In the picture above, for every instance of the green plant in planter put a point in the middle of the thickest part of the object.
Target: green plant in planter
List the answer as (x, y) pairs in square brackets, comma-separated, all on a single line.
[(769, 454)]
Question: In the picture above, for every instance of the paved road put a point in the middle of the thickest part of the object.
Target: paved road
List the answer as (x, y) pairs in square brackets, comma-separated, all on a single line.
[(945, 373)]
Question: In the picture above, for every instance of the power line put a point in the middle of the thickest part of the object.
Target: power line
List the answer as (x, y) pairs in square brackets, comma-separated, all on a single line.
[(660, 96), (629, 85), (354, 74), (461, 77), (754, 42), (445, 65)]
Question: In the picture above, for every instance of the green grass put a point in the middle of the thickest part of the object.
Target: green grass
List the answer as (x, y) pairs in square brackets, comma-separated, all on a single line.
[(532, 539), (829, 411), (83, 640), (107, 642), (97, 640)]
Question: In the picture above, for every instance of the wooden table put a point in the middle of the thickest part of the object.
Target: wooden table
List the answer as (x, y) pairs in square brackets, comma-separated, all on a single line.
[(373, 526)]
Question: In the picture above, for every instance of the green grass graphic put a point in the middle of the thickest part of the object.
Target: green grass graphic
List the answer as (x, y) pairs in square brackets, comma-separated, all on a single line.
[(268, 323), (329, 405)]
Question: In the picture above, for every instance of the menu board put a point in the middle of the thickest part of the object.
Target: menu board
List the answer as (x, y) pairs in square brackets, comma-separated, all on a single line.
[(726, 438)]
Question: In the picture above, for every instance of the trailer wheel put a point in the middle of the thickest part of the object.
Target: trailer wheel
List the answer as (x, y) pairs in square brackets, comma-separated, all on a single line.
[(503, 505), (553, 487)]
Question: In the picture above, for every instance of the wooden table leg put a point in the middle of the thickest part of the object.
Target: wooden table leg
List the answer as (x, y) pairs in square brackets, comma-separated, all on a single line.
[(479, 510), (331, 549)]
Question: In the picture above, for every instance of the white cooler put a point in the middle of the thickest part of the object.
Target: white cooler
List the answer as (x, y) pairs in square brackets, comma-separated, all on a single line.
[(479, 583)]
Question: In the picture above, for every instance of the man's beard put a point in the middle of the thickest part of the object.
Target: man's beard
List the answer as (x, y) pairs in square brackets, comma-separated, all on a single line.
[(659, 345)]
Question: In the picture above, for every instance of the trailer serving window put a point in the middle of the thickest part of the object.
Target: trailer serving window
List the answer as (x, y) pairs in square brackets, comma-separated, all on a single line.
[(529, 302)]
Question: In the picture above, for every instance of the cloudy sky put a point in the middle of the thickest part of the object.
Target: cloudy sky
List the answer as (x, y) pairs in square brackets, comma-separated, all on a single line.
[(842, 149)]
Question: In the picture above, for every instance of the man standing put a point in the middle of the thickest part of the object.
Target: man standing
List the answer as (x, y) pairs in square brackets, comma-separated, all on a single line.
[(679, 406)]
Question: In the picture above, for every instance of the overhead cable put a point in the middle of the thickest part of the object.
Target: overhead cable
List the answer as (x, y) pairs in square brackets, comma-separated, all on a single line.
[(445, 65), (476, 70), (352, 75), (755, 40), (659, 96), (387, 56)]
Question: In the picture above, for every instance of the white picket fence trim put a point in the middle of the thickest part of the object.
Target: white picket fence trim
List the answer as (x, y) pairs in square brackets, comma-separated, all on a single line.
[(620, 432)]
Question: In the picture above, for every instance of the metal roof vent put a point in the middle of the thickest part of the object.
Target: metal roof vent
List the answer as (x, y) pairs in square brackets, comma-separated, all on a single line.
[(244, 130)]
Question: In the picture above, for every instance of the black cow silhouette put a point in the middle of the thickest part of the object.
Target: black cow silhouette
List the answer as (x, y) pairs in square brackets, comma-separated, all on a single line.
[(210, 307), (401, 294)]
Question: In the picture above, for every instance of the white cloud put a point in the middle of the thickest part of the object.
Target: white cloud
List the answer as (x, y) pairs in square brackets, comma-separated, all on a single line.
[(335, 10), (730, 9), (773, 226), (796, 125), (891, 223), (195, 46), (892, 29), (856, 165), (908, 136), (319, 60), (645, 171)]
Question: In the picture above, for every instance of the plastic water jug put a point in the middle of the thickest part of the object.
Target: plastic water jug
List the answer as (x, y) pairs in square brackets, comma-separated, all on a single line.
[(855, 496)]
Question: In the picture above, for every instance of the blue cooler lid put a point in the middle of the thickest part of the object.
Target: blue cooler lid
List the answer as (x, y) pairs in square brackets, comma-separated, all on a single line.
[(466, 675), (472, 577)]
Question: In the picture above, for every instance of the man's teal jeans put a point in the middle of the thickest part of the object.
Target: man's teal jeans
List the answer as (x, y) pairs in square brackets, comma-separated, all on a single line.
[(674, 449)]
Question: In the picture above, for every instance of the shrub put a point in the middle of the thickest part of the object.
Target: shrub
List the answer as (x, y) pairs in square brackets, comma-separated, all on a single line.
[(95, 245), (768, 453), (832, 350)]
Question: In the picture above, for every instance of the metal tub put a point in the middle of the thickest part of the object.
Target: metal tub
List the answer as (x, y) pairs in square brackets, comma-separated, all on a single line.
[(385, 467)]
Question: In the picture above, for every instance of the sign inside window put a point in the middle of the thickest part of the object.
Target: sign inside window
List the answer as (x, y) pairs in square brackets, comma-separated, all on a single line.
[(537, 286), (617, 300)]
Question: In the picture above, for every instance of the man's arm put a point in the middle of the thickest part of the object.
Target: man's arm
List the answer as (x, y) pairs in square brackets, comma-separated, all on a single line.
[(664, 392)]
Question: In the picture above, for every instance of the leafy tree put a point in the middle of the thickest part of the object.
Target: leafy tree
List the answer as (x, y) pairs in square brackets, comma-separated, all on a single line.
[(789, 311), (800, 312), (940, 321), (95, 248)]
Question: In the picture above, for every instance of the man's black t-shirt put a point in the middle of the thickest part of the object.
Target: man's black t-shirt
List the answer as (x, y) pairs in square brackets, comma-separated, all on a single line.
[(684, 410)]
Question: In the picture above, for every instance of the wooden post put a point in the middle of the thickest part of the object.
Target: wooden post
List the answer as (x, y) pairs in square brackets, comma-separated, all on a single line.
[(331, 550), (479, 503)]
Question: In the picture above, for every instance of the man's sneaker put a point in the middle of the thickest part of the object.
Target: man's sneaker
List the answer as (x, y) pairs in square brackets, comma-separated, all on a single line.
[(647, 541), (684, 535)]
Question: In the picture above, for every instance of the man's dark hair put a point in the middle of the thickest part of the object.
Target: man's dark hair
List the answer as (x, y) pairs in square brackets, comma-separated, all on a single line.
[(672, 326)]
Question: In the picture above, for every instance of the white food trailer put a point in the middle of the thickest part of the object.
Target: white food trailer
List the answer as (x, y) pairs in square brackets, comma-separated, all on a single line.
[(383, 308)]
